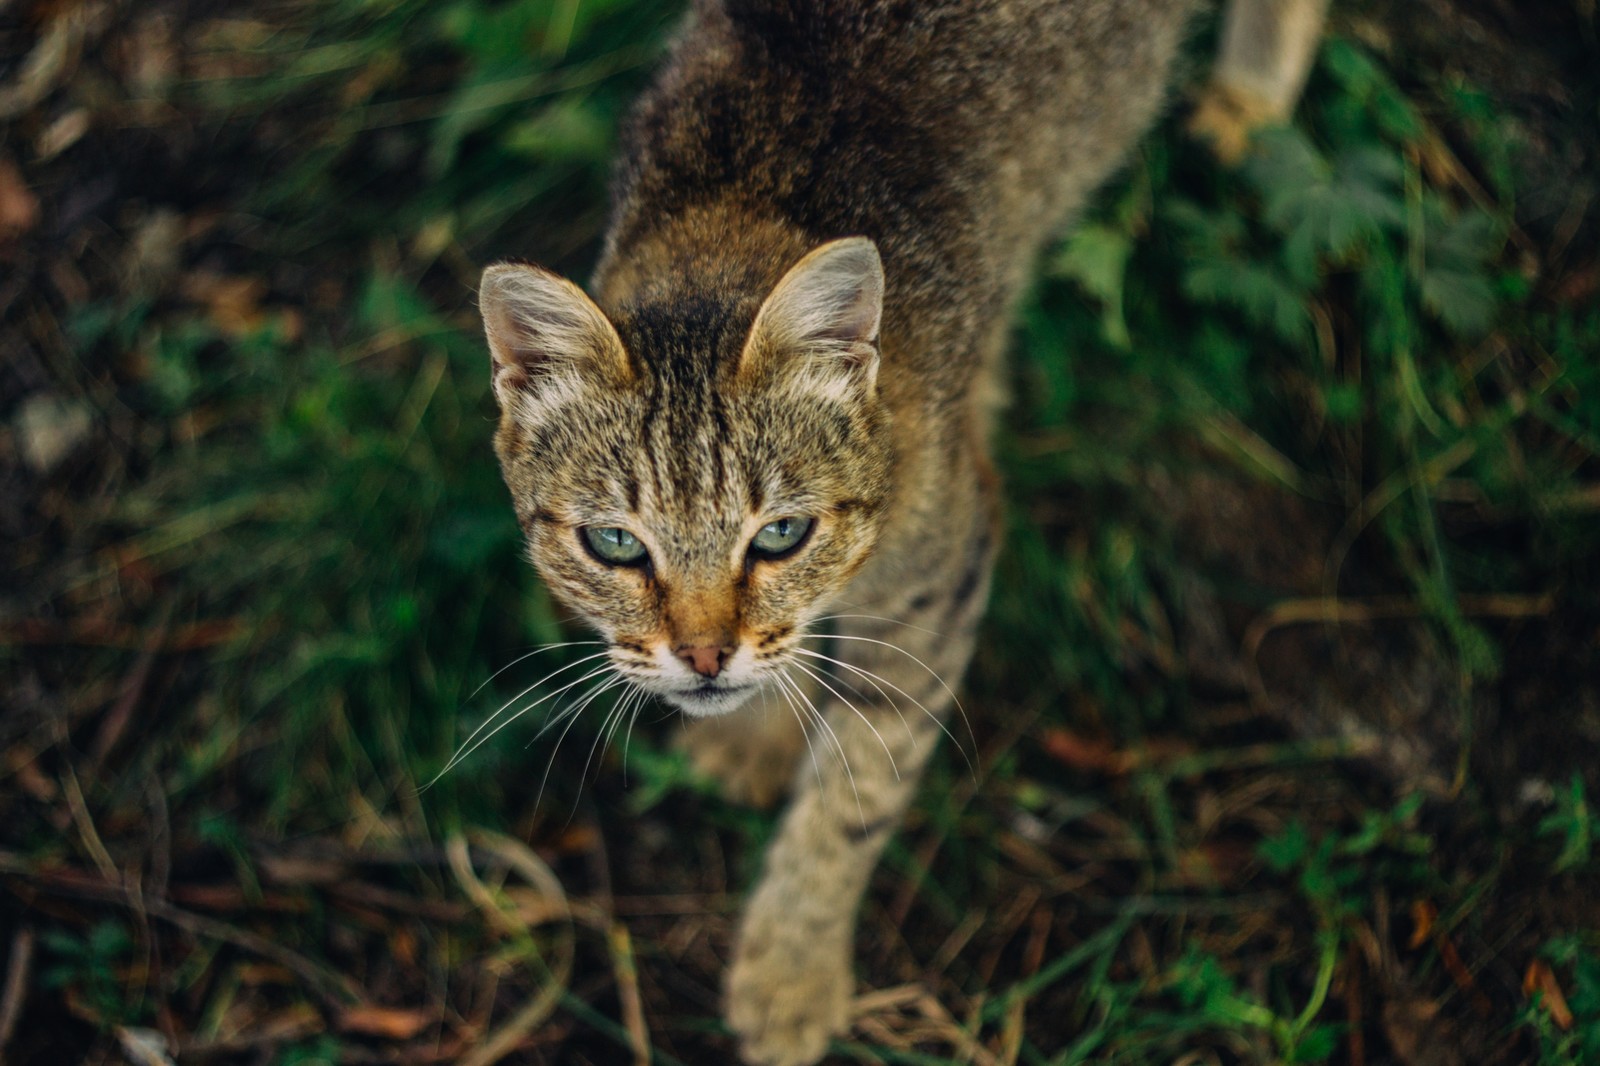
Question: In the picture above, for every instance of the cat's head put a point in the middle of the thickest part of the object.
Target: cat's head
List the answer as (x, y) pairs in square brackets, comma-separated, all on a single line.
[(696, 478)]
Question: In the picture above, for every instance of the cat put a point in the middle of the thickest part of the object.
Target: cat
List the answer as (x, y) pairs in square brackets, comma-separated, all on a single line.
[(756, 461)]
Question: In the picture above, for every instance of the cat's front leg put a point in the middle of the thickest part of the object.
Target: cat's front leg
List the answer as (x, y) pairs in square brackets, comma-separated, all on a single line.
[(791, 982)]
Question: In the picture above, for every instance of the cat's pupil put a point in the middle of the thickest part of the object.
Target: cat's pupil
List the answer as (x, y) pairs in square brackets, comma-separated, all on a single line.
[(614, 545), (780, 535)]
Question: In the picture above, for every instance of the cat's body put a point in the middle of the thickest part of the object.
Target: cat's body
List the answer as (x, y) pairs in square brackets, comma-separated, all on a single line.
[(756, 432)]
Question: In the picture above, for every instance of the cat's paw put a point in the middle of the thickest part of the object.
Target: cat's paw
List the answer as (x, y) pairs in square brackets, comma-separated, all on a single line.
[(786, 1001), (750, 754)]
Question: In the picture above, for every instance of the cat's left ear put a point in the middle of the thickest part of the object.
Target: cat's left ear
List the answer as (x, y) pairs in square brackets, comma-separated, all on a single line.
[(821, 321), (548, 339)]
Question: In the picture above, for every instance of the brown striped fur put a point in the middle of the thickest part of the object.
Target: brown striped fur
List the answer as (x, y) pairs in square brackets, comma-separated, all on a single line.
[(713, 384)]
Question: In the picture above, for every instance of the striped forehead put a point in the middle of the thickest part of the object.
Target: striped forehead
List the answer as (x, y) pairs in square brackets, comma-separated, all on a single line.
[(689, 470)]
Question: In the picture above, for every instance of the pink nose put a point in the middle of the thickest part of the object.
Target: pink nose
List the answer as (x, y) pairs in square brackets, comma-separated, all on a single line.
[(707, 661)]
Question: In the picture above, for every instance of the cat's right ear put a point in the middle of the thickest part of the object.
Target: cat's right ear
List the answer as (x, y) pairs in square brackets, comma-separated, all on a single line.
[(821, 321), (547, 338)]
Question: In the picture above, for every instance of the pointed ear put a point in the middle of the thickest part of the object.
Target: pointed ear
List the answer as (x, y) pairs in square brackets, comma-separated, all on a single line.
[(823, 317), (547, 338)]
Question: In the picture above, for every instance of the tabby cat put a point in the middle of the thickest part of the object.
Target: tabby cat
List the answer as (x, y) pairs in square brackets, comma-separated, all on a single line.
[(756, 460)]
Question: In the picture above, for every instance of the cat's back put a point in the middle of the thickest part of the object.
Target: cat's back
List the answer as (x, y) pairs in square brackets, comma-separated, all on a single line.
[(896, 118)]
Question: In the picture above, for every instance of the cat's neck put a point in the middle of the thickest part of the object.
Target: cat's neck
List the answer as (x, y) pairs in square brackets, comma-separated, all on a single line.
[(727, 249)]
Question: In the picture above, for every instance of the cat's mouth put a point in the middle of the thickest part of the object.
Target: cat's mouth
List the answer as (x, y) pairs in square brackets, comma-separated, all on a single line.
[(710, 699)]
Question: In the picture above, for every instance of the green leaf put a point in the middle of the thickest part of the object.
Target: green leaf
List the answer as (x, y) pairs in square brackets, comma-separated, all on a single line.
[(1317, 1044), (1464, 302), (1096, 257), (1325, 210), (1573, 821), (1343, 401), (1286, 850), (389, 303), (1266, 297), (1351, 67), (476, 104), (492, 35), (1458, 281), (574, 130)]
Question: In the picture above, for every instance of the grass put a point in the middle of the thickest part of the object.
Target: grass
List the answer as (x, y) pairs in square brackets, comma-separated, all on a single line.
[(1289, 736)]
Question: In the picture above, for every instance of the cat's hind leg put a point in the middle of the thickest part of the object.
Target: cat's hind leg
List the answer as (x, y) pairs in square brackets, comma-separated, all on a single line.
[(1265, 55)]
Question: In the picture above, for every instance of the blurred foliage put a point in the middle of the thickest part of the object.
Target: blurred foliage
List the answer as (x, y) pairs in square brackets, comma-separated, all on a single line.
[(1238, 287)]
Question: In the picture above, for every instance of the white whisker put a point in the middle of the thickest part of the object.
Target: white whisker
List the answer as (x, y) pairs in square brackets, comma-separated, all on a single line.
[(600, 735), (874, 679), (638, 697), (844, 758), (857, 711), (597, 672), (467, 747), (954, 699), (877, 618), (487, 722), (573, 707), (571, 714), (529, 655), (794, 709), (614, 723)]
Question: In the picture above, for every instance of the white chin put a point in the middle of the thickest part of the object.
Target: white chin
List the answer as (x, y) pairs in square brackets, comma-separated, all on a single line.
[(710, 703)]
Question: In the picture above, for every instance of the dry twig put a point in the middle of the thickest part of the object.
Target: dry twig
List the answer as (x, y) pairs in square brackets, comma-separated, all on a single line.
[(18, 966)]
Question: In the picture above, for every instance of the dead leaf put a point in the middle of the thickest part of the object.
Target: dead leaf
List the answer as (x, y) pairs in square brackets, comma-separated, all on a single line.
[(150, 55), (391, 1023), (293, 1023), (1423, 915), (576, 840), (254, 974), (1540, 980), (403, 945), (62, 134), (232, 303), (19, 208), (535, 908), (1083, 753), (155, 251), (210, 897), (1579, 287)]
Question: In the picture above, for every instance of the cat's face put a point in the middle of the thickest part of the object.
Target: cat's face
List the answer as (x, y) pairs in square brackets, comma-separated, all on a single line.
[(696, 496)]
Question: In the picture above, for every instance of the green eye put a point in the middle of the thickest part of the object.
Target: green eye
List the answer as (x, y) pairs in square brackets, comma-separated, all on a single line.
[(613, 545), (780, 537)]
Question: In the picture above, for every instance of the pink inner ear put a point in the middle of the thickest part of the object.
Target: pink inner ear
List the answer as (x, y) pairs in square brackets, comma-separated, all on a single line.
[(508, 375), (826, 308), (535, 320), (832, 297)]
